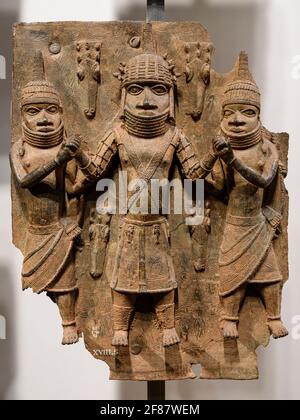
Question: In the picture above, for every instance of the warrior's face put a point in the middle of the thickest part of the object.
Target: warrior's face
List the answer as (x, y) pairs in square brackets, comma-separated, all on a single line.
[(149, 99), (42, 118), (240, 119)]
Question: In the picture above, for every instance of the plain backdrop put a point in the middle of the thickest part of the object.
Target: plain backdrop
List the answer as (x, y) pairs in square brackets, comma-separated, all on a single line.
[(33, 364)]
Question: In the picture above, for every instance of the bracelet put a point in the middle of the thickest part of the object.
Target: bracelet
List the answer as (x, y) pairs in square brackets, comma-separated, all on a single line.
[(86, 165), (208, 161), (57, 161)]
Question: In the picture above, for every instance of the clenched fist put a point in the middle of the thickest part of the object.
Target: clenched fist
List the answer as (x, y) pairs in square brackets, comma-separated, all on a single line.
[(68, 150), (223, 149)]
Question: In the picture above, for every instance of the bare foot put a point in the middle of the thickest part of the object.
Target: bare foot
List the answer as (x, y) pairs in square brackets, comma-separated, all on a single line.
[(170, 337), (229, 329), (120, 338), (70, 335), (277, 329)]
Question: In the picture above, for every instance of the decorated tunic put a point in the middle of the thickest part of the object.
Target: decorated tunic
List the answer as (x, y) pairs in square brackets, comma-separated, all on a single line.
[(143, 262)]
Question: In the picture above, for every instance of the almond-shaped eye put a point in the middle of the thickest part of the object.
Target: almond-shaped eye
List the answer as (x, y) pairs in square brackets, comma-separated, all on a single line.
[(32, 111), (249, 112), (227, 113), (53, 109), (135, 89), (159, 89)]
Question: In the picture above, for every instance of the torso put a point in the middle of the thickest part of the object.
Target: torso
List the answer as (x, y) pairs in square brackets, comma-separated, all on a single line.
[(245, 199), (155, 156), (45, 201)]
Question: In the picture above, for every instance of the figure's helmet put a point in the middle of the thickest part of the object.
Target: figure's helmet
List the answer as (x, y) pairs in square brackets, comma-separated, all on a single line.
[(39, 90), (148, 68), (242, 90)]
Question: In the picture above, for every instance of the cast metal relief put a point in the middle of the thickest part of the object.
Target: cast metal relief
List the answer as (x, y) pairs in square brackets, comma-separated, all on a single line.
[(197, 73), (150, 294), (88, 70)]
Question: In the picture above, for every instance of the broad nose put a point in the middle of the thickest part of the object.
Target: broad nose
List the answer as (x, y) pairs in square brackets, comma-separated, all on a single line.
[(147, 99), (43, 117), (237, 119)]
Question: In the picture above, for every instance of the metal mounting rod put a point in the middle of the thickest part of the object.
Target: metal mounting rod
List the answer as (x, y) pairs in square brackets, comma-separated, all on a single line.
[(155, 10), (156, 390)]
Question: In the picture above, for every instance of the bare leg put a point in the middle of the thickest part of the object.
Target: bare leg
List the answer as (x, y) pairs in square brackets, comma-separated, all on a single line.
[(165, 312), (123, 307), (231, 305), (271, 295), (66, 305)]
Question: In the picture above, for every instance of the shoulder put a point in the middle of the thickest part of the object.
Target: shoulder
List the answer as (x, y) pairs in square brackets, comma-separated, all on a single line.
[(17, 151), (180, 140), (109, 137), (16, 154), (15, 147), (269, 148), (108, 141)]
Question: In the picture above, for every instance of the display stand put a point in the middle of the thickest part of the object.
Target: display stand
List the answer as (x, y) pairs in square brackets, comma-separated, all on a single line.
[(155, 10), (156, 390)]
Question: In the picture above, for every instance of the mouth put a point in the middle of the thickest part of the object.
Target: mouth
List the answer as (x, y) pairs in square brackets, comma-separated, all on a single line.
[(237, 129), (45, 129), (146, 107), (146, 113)]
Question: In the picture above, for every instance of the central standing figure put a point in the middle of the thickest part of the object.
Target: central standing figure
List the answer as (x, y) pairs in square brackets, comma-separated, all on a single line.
[(147, 143)]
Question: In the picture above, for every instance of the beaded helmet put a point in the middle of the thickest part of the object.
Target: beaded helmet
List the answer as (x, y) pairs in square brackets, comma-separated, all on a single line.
[(242, 90), (148, 67), (39, 90)]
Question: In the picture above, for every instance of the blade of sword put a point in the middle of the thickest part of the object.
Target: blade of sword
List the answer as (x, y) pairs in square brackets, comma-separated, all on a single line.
[(155, 10)]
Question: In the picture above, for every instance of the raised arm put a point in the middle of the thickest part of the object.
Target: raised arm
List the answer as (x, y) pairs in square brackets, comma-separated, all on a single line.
[(29, 179), (192, 167), (261, 180), (94, 166)]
